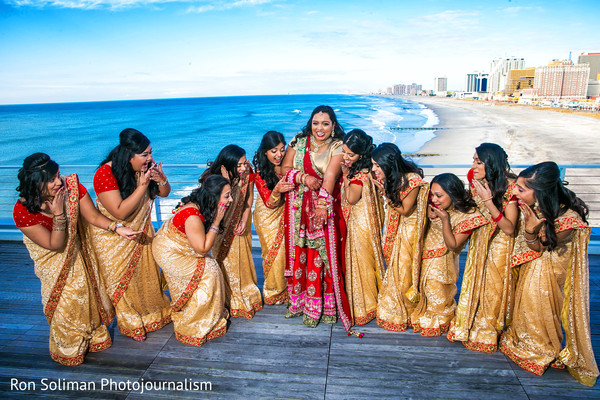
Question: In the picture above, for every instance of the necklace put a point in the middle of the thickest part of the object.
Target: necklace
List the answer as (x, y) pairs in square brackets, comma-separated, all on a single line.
[(318, 146)]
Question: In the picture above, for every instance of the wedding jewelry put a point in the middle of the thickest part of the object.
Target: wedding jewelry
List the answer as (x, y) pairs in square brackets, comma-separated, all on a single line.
[(318, 146), (164, 183), (498, 218), (214, 229), (532, 241)]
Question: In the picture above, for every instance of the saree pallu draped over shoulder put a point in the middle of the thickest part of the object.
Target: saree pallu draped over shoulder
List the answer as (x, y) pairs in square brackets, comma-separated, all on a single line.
[(487, 291), (70, 294), (131, 278), (364, 257), (553, 291), (196, 286), (270, 228), (234, 255), (315, 259), (402, 249)]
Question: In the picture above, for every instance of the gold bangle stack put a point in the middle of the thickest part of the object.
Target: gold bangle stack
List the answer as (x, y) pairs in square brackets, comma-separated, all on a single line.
[(59, 222)]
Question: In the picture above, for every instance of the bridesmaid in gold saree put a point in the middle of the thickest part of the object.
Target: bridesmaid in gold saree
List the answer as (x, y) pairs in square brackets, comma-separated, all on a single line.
[(49, 213), (268, 215), (126, 183), (452, 216), (182, 250), (487, 290), (363, 212), (553, 285), (406, 191), (233, 246)]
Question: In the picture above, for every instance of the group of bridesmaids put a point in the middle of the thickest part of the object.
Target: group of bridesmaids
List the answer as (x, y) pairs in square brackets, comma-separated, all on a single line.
[(330, 248)]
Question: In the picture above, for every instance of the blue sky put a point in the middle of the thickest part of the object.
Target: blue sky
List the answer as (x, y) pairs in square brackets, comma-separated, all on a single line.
[(72, 50)]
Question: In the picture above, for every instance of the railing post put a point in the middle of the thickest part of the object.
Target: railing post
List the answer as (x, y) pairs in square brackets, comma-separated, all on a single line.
[(157, 210), (563, 172)]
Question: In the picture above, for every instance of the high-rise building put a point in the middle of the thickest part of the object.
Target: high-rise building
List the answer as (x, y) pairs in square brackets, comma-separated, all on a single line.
[(399, 89), (477, 82), (440, 84), (499, 72), (561, 80), (519, 79), (593, 59)]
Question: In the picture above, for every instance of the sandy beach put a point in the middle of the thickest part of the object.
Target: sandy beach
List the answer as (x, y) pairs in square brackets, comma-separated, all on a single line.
[(528, 135)]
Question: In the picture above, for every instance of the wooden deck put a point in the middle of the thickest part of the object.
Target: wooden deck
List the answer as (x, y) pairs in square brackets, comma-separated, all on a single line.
[(265, 357)]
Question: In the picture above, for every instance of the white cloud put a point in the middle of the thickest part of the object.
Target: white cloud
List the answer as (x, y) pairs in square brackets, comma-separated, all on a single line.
[(207, 5)]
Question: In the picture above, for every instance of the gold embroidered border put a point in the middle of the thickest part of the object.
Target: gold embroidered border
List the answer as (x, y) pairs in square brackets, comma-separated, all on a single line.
[(522, 258), (481, 347), (525, 364), (275, 247), (434, 253), (131, 266), (390, 234), (196, 341), (563, 224), (248, 314), (366, 319), (431, 332), (55, 294), (96, 347), (278, 299), (68, 362), (390, 326), (470, 224), (191, 286), (151, 327)]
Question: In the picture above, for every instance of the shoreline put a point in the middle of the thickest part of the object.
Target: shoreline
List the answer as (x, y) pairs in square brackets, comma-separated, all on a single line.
[(528, 135)]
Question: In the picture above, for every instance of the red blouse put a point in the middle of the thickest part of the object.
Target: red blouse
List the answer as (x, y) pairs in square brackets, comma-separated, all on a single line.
[(261, 187), (23, 218), (104, 180), (181, 216)]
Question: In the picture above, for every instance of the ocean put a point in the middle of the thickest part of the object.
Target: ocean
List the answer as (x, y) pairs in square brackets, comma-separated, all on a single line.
[(193, 130), (187, 131)]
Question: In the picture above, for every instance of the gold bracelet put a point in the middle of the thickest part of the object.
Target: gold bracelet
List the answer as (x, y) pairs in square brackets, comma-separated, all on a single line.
[(59, 224)]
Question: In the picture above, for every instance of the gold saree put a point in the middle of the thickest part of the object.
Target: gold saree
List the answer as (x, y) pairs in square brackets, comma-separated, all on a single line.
[(196, 286), (553, 290), (402, 247), (270, 228), (487, 291), (130, 275), (234, 255), (439, 273), (364, 257), (69, 292)]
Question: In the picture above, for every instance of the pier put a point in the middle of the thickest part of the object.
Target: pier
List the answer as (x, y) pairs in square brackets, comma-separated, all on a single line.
[(266, 357)]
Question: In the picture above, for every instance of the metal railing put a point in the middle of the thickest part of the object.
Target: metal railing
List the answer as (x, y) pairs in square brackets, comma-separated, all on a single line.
[(583, 180)]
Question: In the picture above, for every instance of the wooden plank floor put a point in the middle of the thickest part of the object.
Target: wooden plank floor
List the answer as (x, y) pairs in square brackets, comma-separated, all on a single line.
[(265, 357)]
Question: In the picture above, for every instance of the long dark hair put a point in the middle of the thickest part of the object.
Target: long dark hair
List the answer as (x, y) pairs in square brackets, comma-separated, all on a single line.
[(37, 170), (263, 166), (395, 167), (206, 198), (131, 142), (497, 170), (229, 157), (461, 197), (338, 131), (361, 144), (553, 197)]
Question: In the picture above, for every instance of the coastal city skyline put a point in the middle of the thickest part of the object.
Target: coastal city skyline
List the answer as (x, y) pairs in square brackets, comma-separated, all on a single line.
[(94, 50)]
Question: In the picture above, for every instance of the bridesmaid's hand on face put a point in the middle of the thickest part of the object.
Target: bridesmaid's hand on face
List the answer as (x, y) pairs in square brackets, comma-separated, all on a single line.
[(378, 184), (57, 206), (532, 223), (157, 174)]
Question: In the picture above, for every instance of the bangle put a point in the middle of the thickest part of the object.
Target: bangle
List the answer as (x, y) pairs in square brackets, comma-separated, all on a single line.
[(489, 198), (498, 218), (62, 214), (532, 241), (117, 226), (164, 183), (214, 229), (59, 225), (530, 233)]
